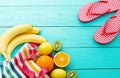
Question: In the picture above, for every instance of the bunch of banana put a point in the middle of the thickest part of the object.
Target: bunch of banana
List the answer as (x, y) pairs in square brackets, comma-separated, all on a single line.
[(17, 35)]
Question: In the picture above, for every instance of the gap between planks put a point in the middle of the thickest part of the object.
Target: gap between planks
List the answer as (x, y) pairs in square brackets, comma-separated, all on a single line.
[(95, 69), (33, 5), (51, 26)]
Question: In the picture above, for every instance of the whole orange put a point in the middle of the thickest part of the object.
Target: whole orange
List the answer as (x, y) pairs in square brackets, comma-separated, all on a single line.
[(45, 62)]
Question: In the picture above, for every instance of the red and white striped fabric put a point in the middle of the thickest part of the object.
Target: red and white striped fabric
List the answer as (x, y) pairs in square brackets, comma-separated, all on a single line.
[(22, 65)]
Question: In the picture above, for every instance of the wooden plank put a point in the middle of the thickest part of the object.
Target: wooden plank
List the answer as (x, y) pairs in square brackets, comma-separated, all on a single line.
[(89, 58), (46, 16), (42, 2), (98, 73), (85, 52), (85, 58), (74, 36)]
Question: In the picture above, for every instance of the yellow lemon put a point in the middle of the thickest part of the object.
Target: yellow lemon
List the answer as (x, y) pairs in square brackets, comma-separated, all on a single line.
[(58, 73), (45, 48)]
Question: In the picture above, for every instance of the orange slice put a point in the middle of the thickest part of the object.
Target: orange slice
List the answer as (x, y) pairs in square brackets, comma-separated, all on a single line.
[(61, 59)]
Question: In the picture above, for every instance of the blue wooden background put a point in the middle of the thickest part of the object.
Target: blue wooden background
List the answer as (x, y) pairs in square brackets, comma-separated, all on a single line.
[(58, 19)]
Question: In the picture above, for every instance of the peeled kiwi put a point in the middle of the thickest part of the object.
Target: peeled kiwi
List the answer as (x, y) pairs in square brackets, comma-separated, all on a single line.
[(57, 45), (71, 74)]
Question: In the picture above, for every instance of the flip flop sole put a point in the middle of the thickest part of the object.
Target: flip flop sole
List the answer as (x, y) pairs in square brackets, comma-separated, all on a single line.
[(84, 16), (103, 39)]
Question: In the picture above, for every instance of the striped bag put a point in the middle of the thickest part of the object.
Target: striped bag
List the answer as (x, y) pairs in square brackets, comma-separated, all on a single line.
[(22, 65)]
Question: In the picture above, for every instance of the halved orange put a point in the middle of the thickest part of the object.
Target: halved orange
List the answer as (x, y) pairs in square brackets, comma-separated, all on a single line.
[(61, 59)]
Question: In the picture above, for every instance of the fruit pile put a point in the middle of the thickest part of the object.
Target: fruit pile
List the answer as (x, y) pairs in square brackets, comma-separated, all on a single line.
[(43, 58)]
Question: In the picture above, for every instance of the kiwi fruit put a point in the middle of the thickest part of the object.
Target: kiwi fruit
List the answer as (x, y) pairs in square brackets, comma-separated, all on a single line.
[(71, 74), (57, 45)]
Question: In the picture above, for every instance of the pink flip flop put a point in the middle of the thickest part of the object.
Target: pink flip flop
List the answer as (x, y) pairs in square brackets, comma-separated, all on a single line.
[(109, 31), (94, 10)]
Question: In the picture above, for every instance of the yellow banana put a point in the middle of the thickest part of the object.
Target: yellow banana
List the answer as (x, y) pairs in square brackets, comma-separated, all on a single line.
[(4, 54), (7, 36), (34, 30), (23, 38)]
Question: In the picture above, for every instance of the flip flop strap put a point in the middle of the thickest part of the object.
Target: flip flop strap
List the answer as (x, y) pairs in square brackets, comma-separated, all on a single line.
[(101, 1), (105, 27)]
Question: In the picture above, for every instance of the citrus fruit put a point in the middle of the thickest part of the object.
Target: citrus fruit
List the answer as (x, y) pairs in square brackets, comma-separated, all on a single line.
[(61, 59), (58, 73), (45, 48), (45, 62)]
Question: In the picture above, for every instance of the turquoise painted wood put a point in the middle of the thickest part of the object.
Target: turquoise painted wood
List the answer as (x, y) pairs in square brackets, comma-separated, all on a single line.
[(90, 58), (53, 15), (98, 73), (59, 20), (42, 2), (72, 37)]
